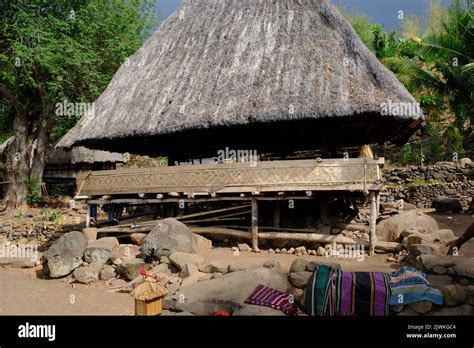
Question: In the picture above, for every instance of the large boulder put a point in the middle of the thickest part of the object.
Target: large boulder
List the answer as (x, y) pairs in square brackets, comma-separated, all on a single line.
[(229, 292), (299, 279), (443, 204), (454, 295), (87, 274), (65, 254), (99, 251), (389, 230), (170, 236), (130, 268)]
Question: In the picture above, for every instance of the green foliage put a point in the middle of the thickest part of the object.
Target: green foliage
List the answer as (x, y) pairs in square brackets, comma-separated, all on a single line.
[(33, 195), (53, 216), (407, 154), (417, 182), (436, 65), (52, 51)]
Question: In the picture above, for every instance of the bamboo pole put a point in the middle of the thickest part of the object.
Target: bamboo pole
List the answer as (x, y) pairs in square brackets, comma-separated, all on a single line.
[(210, 212)]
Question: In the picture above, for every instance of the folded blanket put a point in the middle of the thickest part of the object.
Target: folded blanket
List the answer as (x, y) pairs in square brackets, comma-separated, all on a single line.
[(265, 296), (333, 292), (409, 285)]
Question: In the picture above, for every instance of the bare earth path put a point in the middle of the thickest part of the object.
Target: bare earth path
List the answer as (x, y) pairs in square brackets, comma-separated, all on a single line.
[(22, 292)]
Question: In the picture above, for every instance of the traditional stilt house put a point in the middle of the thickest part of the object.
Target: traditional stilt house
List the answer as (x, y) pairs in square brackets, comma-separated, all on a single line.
[(274, 77)]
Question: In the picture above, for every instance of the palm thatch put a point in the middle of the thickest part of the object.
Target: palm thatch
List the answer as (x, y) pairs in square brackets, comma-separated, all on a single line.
[(82, 154), (259, 74), (149, 290)]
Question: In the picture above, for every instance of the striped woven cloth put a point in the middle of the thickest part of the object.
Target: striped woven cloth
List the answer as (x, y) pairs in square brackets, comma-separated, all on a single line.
[(409, 285), (333, 292), (265, 296)]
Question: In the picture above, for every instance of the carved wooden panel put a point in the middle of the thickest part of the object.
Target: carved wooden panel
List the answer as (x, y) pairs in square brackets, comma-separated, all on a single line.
[(355, 174)]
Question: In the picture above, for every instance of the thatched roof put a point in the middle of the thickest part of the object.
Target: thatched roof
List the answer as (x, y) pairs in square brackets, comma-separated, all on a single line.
[(258, 74), (81, 154)]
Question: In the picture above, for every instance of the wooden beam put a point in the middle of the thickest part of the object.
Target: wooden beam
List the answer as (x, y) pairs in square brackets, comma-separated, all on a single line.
[(372, 223), (255, 225), (210, 212), (220, 232)]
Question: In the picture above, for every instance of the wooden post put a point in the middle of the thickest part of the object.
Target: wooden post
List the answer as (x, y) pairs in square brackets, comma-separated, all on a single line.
[(372, 222), (88, 216), (276, 217), (255, 226)]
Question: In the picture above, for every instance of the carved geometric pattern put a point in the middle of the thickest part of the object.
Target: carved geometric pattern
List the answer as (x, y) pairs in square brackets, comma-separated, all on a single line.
[(278, 175)]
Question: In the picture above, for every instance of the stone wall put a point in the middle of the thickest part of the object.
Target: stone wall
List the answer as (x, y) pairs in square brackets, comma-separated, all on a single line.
[(420, 185)]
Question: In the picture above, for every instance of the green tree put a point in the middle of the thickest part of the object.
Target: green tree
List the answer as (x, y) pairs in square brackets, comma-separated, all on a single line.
[(57, 51)]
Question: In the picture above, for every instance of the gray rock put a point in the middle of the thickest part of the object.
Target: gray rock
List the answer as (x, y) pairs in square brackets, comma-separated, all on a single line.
[(465, 310), (443, 204), (138, 238), (244, 247), (297, 294), (130, 268), (193, 278), (239, 266), (320, 251), (180, 259), (97, 255), (439, 281), (188, 270), (313, 264), (108, 243), (454, 295), (107, 272), (428, 262), (389, 230), (24, 262), (219, 267), (439, 270), (162, 268), (299, 265), (170, 236), (87, 274), (125, 251), (422, 307), (299, 279), (100, 250), (464, 267), (424, 249), (65, 254), (229, 291)]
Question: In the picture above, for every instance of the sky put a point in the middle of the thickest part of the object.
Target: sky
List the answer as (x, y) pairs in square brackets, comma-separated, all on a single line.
[(384, 12)]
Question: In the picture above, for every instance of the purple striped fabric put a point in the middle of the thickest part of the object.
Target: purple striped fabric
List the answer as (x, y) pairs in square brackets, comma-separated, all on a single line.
[(380, 296), (265, 296), (346, 293)]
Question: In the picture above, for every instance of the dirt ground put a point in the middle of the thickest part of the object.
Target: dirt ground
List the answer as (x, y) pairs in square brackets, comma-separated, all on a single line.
[(24, 292)]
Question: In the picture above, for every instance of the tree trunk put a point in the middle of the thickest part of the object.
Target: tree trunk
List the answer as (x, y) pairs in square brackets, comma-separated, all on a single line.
[(25, 157)]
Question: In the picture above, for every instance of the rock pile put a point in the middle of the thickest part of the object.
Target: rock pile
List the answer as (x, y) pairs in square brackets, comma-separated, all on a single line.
[(421, 185)]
